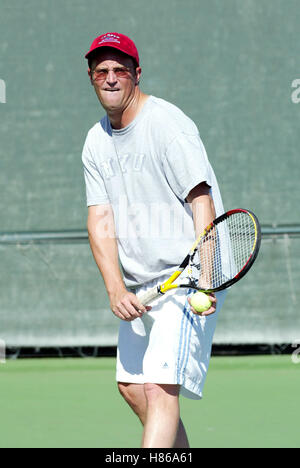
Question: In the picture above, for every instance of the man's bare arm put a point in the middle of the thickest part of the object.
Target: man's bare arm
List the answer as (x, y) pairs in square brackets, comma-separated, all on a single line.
[(203, 214), (202, 206), (100, 225)]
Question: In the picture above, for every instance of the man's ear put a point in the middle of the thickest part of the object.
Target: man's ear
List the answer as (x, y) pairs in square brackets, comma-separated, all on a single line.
[(138, 72), (90, 75)]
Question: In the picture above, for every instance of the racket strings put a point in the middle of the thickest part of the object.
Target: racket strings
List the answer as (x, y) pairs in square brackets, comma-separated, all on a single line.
[(223, 252)]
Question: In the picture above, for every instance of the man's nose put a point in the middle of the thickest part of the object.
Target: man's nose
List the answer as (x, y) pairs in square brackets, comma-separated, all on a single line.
[(111, 77)]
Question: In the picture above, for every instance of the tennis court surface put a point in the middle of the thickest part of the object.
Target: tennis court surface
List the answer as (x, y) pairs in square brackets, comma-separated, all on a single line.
[(249, 401)]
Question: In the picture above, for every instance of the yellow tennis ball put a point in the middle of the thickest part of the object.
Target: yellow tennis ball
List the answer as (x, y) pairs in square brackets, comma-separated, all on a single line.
[(200, 302)]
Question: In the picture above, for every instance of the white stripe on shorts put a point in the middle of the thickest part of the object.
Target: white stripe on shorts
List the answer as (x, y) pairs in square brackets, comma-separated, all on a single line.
[(185, 336)]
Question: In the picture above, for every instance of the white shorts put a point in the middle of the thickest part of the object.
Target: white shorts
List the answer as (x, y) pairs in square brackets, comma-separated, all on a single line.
[(169, 344)]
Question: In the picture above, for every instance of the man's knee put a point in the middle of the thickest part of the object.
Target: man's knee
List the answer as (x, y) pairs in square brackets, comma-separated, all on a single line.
[(155, 392)]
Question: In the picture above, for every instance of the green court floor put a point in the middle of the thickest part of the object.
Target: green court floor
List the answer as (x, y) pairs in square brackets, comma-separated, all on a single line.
[(248, 402)]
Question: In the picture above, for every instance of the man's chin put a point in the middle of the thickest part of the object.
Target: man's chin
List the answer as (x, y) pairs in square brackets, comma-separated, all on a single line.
[(110, 109), (112, 104)]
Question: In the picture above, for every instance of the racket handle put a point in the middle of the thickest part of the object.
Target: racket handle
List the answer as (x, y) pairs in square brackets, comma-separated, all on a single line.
[(149, 296)]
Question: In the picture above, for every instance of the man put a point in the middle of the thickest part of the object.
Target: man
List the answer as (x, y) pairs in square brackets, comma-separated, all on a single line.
[(146, 172)]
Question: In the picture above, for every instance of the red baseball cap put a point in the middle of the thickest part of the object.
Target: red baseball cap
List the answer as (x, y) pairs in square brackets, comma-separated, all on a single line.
[(116, 41)]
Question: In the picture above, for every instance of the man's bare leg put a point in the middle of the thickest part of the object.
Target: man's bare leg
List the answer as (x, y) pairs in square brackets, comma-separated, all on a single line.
[(181, 438), (134, 395), (162, 420)]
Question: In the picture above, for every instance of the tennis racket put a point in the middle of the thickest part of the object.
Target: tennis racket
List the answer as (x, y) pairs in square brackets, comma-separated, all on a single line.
[(221, 256)]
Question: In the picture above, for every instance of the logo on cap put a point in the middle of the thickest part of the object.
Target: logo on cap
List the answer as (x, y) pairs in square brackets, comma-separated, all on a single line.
[(110, 38)]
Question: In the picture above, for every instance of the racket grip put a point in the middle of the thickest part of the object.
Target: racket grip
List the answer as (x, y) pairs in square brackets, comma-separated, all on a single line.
[(149, 296)]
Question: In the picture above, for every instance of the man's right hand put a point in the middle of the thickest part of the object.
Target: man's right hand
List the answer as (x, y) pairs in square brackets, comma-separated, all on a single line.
[(126, 306)]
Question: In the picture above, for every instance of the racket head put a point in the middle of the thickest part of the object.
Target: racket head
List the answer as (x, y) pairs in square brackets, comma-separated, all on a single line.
[(226, 251)]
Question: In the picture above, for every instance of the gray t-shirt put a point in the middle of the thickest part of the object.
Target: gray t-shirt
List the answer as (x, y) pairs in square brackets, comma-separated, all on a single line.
[(145, 171)]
